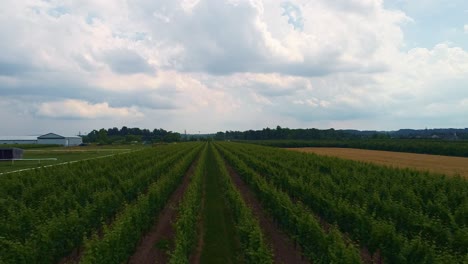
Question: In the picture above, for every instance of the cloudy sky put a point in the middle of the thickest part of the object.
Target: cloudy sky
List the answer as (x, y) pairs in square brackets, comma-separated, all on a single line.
[(210, 65)]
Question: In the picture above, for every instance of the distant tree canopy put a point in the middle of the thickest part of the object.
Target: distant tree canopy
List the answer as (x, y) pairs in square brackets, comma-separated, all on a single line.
[(331, 134), (130, 135), (127, 135), (283, 133)]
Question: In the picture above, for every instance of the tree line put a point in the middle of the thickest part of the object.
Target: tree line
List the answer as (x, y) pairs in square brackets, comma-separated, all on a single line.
[(130, 135), (284, 133), (332, 134)]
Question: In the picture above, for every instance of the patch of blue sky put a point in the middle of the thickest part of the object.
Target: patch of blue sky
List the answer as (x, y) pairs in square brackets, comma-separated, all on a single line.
[(139, 36), (434, 22), (294, 15), (58, 11), (90, 18), (36, 9)]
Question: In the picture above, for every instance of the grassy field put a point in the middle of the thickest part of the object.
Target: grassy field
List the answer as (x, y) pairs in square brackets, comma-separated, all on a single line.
[(62, 154), (219, 234), (433, 163)]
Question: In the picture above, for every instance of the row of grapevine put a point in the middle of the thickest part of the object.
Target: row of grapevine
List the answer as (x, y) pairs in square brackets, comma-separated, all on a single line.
[(189, 215), (368, 202), (433, 195), (120, 238), (252, 242), (429, 206), (251, 238), (317, 244), (45, 213), (50, 192)]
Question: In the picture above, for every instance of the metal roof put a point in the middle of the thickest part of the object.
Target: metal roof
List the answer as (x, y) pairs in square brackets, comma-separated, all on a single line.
[(18, 137), (30, 138), (51, 136), (55, 136)]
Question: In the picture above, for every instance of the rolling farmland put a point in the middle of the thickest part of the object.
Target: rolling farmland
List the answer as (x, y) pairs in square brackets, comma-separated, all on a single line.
[(423, 162), (421, 146), (231, 203)]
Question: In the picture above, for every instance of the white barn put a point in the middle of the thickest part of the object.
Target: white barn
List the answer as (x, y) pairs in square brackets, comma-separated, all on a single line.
[(18, 140), (52, 138)]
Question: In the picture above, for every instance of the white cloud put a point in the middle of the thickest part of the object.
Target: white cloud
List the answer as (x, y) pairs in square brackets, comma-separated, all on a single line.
[(466, 28), (84, 110), (224, 64), (217, 37), (188, 5)]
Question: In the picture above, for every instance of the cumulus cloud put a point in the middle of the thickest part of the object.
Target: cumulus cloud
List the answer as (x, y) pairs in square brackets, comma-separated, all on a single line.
[(251, 36), (355, 6), (126, 62), (466, 28), (84, 110), (215, 37), (224, 64)]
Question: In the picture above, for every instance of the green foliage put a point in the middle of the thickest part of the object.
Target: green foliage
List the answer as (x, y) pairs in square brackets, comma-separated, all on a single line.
[(107, 204), (102, 137), (220, 242), (120, 238), (189, 215), (130, 135), (47, 212), (409, 216), (253, 244), (284, 133), (331, 134), (317, 245), (252, 241)]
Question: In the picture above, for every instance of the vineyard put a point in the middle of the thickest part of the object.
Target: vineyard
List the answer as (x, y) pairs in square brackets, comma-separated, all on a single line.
[(224, 202)]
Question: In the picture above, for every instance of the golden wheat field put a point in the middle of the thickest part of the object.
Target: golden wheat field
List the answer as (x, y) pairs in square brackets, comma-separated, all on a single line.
[(433, 163)]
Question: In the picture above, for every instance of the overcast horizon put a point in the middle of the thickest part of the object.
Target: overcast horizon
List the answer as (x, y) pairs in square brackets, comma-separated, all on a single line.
[(215, 65)]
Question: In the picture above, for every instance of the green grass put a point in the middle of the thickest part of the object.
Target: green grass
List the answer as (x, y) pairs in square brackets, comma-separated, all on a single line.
[(62, 154), (220, 244)]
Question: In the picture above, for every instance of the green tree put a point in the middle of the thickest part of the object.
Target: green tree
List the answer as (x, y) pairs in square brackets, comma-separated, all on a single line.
[(102, 136)]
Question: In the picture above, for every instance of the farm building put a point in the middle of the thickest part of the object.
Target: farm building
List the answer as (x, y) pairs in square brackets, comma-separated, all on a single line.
[(18, 140), (11, 153), (50, 138)]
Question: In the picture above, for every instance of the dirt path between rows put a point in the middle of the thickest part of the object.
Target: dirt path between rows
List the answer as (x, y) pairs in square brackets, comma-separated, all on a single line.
[(155, 245), (283, 247)]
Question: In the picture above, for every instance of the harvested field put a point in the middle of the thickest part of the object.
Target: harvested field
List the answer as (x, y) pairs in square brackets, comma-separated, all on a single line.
[(423, 162)]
